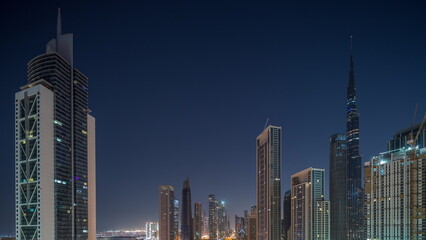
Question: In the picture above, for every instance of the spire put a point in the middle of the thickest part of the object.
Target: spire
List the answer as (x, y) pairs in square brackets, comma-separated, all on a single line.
[(58, 28), (351, 59), (58, 23), (351, 69), (186, 183)]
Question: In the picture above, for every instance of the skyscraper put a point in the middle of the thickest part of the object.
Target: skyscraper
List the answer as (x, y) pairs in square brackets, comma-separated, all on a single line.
[(310, 212), (213, 222), (268, 187), (168, 219), (395, 195), (251, 224), (338, 198), (55, 148), (240, 231), (354, 181), (287, 214), (222, 220), (186, 227), (151, 230), (198, 222)]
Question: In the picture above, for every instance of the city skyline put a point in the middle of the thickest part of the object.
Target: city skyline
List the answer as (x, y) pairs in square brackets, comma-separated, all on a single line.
[(213, 126)]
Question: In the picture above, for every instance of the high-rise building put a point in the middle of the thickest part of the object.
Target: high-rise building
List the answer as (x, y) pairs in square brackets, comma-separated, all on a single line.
[(151, 229), (205, 225), (251, 224), (168, 220), (198, 221), (286, 214), (268, 187), (186, 225), (55, 148), (354, 182), (322, 220), (240, 230), (222, 220), (310, 214), (338, 198), (395, 195), (213, 221)]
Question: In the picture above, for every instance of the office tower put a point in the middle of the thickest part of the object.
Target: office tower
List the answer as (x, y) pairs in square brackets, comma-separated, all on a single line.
[(403, 136), (213, 222), (198, 223), (240, 231), (205, 225), (354, 183), (395, 194), (222, 220), (151, 229), (55, 148), (268, 187), (251, 224), (287, 214), (186, 227), (309, 216), (338, 198), (168, 213)]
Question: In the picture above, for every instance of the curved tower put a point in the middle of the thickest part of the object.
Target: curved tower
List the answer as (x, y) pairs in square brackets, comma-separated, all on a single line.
[(56, 136)]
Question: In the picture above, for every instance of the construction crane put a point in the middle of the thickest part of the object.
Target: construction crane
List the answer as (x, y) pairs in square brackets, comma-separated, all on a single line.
[(413, 140)]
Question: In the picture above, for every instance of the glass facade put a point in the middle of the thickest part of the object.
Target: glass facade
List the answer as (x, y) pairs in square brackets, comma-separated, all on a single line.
[(354, 181), (268, 187), (69, 144), (186, 228), (213, 221), (338, 186)]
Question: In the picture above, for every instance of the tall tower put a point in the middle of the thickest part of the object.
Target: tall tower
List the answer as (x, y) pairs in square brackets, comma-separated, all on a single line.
[(338, 198), (310, 213), (268, 187), (55, 148), (287, 214), (213, 221), (186, 228), (198, 221), (168, 222), (354, 183)]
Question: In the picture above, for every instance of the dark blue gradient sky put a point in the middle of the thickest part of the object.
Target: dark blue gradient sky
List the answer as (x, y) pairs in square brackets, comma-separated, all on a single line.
[(182, 88)]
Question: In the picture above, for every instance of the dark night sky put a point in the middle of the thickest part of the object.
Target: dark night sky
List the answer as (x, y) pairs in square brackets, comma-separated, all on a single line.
[(182, 88)]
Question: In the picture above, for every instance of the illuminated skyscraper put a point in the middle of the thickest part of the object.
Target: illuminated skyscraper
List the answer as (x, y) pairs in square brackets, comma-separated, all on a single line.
[(213, 221), (395, 195), (55, 148), (198, 221), (222, 220), (338, 198), (268, 187), (354, 182), (151, 230), (310, 216), (186, 224), (168, 219)]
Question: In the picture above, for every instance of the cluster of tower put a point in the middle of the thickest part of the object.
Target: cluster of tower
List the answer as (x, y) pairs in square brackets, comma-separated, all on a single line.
[(192, 226)]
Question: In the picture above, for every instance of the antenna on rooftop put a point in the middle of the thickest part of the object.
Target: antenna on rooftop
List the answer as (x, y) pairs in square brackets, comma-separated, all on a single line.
[(266, 123)]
